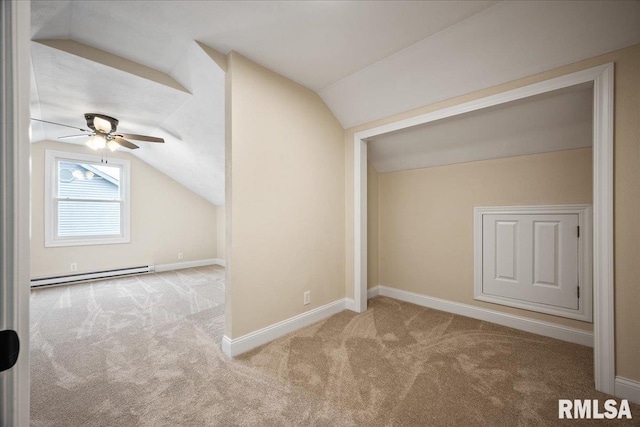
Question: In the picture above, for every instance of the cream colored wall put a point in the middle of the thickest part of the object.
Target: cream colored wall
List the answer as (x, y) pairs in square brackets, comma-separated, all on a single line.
[(426, 218), (285, 210), (166, 218), (221, 225), (626, 198), (627, 212)]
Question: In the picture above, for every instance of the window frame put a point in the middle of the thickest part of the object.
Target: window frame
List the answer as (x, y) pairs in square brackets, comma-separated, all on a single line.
[(51, 238)]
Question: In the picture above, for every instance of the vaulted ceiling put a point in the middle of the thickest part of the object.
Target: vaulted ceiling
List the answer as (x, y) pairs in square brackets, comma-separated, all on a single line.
[(554, 121), (149, 63)]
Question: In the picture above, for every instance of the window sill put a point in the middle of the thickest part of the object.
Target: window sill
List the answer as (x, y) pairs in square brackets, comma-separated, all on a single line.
[(86, 242)]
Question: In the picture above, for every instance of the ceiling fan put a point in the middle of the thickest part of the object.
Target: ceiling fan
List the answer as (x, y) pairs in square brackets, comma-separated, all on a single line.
[(103, 133)]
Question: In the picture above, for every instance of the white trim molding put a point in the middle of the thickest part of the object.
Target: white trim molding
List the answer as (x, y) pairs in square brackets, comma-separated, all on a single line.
[(373, 292), (360, 225), (552, 330), (584, 311), (15, 35), (603, 263), (51, 200), (188, 264), (628, 389), (350, 304), (602, 77), (236, 346)]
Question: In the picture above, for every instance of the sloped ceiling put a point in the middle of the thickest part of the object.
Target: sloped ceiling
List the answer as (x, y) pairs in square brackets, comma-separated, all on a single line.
[(508, 41), (71, 79), (367, 60), (560, 120)]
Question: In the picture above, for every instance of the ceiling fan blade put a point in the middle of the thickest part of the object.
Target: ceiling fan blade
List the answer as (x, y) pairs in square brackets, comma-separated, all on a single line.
[(124, 143), (141, 137), (74, 136), (60, 124)]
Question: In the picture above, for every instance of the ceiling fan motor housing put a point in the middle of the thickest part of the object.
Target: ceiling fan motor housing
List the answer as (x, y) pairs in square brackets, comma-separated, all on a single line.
[(91, 122)]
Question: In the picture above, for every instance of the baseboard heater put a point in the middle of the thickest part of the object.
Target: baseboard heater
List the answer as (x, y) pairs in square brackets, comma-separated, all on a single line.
[(83, 277)]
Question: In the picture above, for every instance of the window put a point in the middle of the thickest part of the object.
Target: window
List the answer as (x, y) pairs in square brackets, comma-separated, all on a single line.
[(86, 200)]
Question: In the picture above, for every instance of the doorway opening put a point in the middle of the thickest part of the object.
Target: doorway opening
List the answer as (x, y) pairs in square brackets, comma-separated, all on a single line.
[(601, 78)]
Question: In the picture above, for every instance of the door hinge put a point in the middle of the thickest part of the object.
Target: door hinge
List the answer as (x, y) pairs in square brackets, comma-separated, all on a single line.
[(578, 231), (578, 292)]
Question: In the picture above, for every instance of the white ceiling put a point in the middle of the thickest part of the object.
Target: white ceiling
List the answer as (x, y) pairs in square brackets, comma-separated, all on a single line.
[(66, 81), (313, 43), (367, 59), (511, 40), (560, 120)]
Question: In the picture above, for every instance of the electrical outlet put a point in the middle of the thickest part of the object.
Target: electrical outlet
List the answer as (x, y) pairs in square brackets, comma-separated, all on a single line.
[(307, 298), (180, 255), (73, 267)]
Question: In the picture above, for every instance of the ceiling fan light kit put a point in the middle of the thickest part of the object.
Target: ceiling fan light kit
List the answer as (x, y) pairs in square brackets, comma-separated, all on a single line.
[(113, 145), (102, 134), (96, 142)]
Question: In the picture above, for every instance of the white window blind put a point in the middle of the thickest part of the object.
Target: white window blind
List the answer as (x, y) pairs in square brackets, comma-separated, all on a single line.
[(88, 201)]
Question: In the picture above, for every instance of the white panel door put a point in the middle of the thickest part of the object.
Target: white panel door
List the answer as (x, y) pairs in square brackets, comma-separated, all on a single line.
[(531, 257)]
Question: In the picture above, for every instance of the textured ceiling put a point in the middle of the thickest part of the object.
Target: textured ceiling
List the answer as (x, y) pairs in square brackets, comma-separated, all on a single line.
[(560, 120), (366, 59)]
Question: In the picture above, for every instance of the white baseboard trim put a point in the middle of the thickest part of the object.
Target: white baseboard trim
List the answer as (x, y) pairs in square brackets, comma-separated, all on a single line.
[(220, 262), (546, 329), (226, 345), (350, 304), (236, 346), (628, 389), (373, 292), (188, 264)]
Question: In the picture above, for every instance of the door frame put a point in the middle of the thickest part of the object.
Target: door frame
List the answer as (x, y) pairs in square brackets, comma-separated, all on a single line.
[(15, 30), (602, 77)]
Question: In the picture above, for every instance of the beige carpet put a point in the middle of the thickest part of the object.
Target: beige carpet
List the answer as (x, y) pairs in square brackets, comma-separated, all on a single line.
[(144, 351)]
